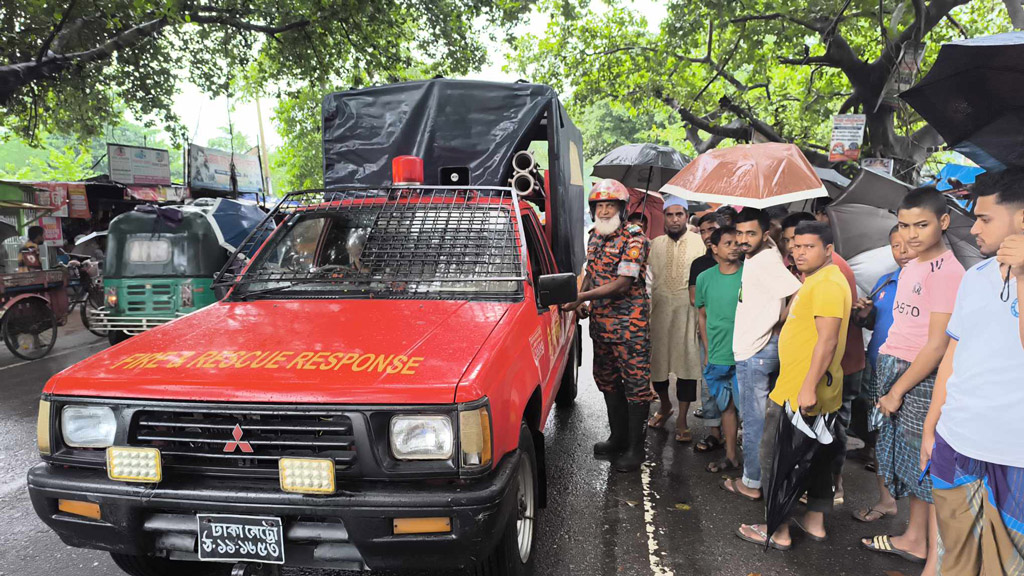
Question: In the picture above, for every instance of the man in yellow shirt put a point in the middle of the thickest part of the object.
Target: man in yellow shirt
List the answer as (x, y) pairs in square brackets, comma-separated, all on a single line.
[(811, 349)]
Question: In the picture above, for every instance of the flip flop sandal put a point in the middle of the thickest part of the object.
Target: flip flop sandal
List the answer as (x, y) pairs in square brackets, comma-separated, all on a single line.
[(709, 444), (723, 465), (803, 529), (883, 544), (759, 532), (730, 486), (684, 437), (864, 515), (659, 419)]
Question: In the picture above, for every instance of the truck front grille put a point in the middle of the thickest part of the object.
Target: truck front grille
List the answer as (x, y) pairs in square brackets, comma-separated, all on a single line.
[(247, 443), (150, 297)]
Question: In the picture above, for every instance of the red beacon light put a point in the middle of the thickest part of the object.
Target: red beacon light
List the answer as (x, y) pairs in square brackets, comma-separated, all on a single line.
[(406, 170)]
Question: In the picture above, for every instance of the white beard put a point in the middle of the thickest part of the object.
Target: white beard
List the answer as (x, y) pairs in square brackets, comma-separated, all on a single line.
[(606, 226)]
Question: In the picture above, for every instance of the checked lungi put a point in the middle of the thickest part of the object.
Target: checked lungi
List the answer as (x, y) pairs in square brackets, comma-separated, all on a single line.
[(980, 508), (899, 440)]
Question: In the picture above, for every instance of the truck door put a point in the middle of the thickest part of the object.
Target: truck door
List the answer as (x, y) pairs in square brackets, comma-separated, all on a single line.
[(548, 339)]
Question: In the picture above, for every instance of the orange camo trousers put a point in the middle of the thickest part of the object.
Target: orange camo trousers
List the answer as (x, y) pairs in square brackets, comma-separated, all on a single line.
[(624, 365)]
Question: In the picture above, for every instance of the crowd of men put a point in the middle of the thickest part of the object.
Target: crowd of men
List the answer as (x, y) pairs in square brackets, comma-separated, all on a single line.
[(764, 317)]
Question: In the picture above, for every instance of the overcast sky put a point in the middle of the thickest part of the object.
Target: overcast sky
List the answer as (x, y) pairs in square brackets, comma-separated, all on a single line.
[(204, 116)]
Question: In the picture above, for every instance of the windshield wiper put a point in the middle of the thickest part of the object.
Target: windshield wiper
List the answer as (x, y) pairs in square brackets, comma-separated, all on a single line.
[(249, 293)]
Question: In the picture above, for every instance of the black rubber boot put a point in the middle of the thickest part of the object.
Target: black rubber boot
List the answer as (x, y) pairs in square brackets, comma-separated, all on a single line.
[(636, 452), (618, 422)]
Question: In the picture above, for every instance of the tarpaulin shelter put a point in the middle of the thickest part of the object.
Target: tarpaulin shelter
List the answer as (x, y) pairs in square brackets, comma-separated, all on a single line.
[(952, 173), (754, 175), (460, 123), (972, 97)]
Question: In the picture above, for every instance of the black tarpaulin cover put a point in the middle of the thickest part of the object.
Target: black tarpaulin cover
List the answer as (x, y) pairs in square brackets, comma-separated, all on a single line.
[(479, 125)]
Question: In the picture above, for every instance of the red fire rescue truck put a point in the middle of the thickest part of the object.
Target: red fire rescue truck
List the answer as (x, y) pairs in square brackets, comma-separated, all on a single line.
[(371, 391)]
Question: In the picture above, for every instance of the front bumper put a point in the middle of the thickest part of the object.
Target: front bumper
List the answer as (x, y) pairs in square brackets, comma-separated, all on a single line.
[(351, 529), (103, 319)]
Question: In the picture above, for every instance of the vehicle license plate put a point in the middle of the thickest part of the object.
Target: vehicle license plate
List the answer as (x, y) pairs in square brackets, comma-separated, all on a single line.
[(240, 538)]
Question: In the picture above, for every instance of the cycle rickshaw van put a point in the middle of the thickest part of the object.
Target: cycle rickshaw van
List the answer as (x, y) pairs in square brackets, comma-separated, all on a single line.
[(373, 390), (161, 262)]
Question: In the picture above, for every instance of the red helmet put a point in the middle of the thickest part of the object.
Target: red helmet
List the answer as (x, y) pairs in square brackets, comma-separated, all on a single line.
[(608, 190)]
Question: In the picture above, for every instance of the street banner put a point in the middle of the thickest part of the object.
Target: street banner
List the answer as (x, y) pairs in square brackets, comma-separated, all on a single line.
[(54, 195), (210, 169), (52, 234), (137, 165), (78, 202), (905, 74), (847, 137), (880, 165)]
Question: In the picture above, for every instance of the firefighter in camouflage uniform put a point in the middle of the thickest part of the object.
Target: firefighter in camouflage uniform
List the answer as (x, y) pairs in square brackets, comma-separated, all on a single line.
[(616, 287)]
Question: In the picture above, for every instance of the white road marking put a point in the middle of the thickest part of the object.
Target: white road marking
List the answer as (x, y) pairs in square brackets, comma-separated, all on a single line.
[(652, 543), (76, 349)]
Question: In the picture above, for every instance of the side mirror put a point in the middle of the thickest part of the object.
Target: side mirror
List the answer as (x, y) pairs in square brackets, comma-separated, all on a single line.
[(554, 289)]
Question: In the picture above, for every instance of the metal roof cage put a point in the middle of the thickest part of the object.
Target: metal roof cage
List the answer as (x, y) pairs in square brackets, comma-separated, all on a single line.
[(408, 242)]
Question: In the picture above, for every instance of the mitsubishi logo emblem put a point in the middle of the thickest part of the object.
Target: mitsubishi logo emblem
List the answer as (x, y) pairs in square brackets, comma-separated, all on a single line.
[(238, 442)]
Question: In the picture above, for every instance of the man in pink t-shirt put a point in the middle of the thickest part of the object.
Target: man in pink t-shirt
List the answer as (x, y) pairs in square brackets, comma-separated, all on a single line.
[(906, 371)]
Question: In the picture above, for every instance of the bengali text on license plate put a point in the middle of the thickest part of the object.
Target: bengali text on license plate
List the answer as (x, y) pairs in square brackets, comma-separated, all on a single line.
[(240, 538)]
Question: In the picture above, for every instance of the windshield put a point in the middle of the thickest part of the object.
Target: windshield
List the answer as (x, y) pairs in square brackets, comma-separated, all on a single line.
[(412, 247)]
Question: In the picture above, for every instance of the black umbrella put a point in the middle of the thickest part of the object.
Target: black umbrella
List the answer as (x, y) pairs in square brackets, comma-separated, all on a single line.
[(644, 166), (959, 236), (972, 97), (834, 182), (795, 450)]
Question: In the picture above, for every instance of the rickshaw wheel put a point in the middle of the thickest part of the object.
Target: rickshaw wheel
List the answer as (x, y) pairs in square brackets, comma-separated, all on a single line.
[(29, 329), (90, 305)]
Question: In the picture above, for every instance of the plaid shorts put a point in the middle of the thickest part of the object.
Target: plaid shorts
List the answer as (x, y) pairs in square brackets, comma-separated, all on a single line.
[(898, 448)]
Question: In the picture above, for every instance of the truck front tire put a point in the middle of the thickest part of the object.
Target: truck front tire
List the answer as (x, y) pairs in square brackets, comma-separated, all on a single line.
[(150, 566), (513, 556), (566, 396)]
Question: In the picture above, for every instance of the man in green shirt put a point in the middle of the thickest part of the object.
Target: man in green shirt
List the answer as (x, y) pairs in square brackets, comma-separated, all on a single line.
[(717, 294)]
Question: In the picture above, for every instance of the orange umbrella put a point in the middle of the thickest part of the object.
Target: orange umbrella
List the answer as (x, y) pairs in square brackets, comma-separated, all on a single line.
[(754, 175)]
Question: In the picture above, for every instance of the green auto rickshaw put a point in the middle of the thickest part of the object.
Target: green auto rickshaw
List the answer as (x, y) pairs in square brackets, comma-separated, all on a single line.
[(161, 261)]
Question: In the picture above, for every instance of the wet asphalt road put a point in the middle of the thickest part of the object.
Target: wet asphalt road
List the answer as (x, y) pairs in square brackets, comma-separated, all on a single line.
[(598, 522)]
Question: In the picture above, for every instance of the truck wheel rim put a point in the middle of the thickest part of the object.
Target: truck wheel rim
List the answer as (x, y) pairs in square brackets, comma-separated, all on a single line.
[(525, 510)]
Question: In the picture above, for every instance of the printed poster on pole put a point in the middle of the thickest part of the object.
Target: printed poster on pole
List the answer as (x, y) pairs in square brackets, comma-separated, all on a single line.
[(847, 137), (52, 233), (881, 165)]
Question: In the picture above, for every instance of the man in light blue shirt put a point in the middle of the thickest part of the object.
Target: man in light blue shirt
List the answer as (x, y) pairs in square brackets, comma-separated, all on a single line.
[(974, 434)]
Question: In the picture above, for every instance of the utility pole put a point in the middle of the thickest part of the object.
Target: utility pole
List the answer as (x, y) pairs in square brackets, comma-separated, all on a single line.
[(268, 187)]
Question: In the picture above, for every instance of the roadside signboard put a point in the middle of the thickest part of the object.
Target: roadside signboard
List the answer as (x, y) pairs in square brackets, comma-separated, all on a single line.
[(210, 169), (137, 165), (54, 195), (847, 137)]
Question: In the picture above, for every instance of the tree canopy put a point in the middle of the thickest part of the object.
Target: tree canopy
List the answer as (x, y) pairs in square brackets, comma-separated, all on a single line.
[(775, 68), (69, 66)]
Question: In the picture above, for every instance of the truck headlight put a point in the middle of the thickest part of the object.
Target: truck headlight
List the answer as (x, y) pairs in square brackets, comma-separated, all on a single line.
[(111, 296), (88, 426), (421, 437), (475, 437)]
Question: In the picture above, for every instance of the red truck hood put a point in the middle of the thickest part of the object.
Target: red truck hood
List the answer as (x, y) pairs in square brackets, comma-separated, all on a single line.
[(295, 351)]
